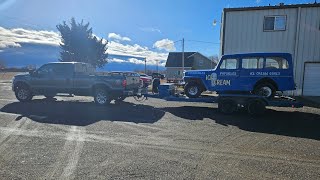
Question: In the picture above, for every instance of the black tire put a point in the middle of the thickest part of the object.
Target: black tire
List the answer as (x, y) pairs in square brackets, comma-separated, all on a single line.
[(227, 106), (101, 97), (23, 93), (256, 107), (192, 90), (265, 89)]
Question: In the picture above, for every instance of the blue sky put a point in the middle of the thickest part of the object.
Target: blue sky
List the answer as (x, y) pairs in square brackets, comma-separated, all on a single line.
[(143, 22)]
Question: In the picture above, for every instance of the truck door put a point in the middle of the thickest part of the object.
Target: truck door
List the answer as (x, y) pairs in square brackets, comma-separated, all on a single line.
[(82, 80), (226, 77), (62, 77), (41, 80)]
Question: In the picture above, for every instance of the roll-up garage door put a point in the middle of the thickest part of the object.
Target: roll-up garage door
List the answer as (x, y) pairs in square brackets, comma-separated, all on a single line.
[(311, 85)]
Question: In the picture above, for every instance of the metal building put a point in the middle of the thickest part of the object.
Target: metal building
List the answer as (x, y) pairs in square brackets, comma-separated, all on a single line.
[(283, 28)]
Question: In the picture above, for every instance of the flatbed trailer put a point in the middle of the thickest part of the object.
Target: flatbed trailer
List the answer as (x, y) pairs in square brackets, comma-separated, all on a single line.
[(227, 103)]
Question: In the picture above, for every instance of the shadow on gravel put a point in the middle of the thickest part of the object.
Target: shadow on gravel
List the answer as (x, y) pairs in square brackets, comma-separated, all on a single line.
[(295, 124), (82, 113)]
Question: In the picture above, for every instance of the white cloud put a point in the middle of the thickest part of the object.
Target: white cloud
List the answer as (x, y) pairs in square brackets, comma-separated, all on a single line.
[(136, 61), (151, 29), (258, 1), (118, 37), (136, 51), (116, 60), (14, 37), (165, 44)]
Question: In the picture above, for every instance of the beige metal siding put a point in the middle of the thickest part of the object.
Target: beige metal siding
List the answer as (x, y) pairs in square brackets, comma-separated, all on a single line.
[(172, 72), (244, 33)]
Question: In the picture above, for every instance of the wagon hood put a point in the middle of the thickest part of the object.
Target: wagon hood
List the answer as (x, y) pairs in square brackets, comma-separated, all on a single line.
[(198, 72)]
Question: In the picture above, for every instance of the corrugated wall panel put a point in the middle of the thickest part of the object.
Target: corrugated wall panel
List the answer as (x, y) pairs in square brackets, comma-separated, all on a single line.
[(244, 32)]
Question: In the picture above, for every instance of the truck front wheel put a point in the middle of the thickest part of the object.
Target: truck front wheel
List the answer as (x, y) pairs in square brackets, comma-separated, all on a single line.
[(23, 93), (192, 90), (101, 97)]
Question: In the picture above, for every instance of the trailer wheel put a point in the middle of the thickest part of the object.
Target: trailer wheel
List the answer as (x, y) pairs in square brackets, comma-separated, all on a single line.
[(256, 107), (227, 106)]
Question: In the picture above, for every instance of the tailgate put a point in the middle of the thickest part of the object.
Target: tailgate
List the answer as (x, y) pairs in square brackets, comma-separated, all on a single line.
[(133, 80)]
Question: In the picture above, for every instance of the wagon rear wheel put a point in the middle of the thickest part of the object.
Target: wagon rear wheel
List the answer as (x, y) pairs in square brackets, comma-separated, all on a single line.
[(265, 89)]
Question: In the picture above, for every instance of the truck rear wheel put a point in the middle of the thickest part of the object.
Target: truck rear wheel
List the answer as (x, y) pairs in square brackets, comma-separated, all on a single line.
[(101, 97), (23, 93), (192, 90)]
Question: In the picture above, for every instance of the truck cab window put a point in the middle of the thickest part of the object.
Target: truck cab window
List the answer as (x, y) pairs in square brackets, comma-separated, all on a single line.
[(45, 70), (229, 64)]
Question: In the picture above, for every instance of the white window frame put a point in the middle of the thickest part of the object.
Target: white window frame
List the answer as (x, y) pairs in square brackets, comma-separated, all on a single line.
[(274, 23)]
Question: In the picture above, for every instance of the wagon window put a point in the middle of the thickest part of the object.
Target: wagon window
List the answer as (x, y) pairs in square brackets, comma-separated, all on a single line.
[(252, 63), (229, 64), (276, 63)]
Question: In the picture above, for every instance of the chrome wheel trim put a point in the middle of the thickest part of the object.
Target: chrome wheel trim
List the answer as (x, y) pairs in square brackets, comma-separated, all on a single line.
[(101, 97), (193, 90), (22, 94), (265, 91)]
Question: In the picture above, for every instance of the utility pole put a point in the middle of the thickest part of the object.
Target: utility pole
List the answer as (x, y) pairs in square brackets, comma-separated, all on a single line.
[(157, 66), (145, 65), (182, 56)]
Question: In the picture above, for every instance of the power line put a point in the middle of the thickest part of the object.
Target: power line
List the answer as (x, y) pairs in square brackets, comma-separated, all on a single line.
[(207, 42)]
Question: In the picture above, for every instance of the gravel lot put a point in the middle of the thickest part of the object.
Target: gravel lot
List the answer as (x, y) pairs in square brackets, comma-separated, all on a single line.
[(71, 138)]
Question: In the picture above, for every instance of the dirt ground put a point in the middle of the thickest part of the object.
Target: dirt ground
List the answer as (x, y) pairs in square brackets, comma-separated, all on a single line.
[(7, 76)]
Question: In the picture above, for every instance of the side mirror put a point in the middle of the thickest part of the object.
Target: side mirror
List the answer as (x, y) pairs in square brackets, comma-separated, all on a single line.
[(33, 73)]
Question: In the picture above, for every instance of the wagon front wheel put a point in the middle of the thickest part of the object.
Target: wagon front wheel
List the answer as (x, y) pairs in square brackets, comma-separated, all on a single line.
[(192, 90)]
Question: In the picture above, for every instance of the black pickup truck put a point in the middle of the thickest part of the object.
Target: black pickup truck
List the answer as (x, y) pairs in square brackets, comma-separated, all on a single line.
[(75, 78)]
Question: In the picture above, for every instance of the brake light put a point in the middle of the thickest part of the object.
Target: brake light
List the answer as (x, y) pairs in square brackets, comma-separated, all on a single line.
[(124, 83)]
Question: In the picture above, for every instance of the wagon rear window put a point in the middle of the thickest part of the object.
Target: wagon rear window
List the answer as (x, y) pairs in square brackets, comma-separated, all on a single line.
[(276, 63)]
